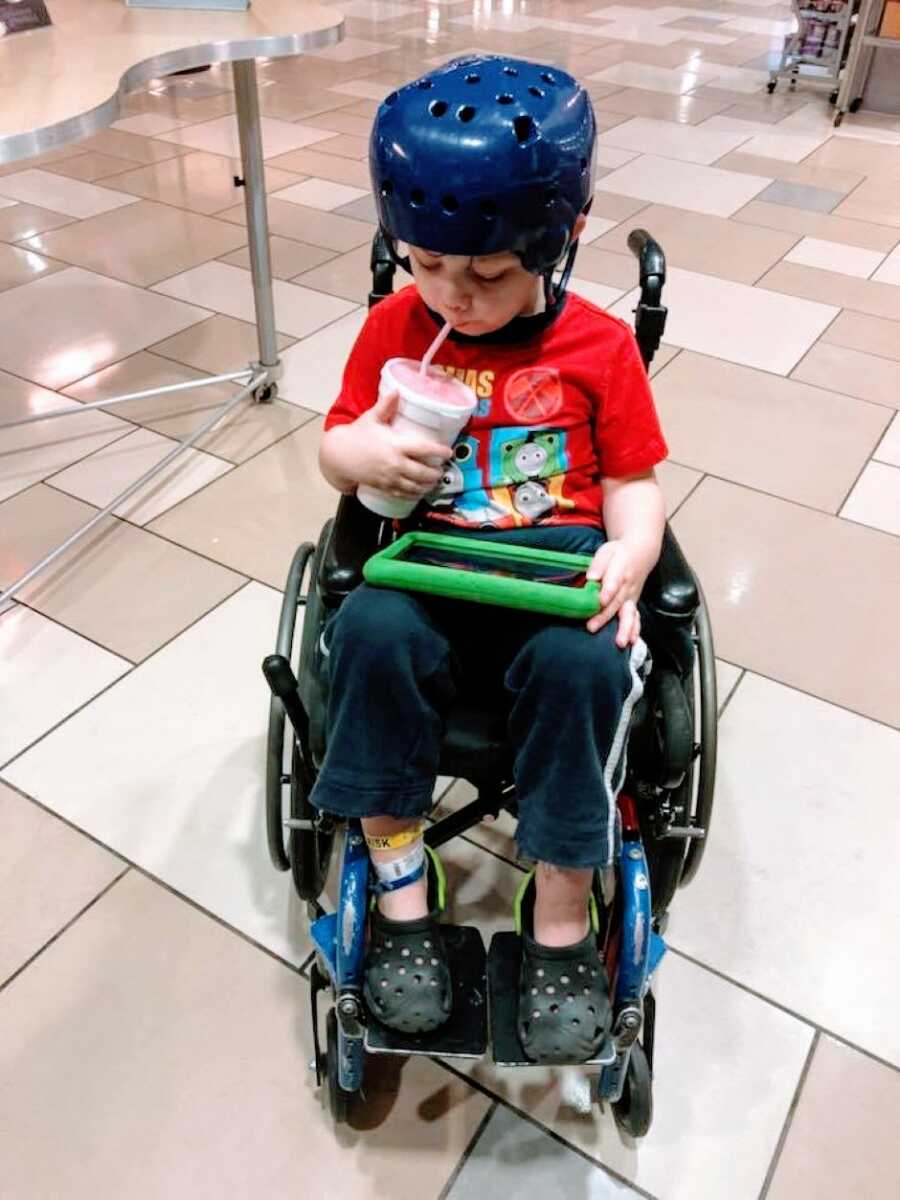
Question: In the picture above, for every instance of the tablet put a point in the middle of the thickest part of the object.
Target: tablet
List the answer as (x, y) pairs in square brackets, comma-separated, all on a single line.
[(485, 572)]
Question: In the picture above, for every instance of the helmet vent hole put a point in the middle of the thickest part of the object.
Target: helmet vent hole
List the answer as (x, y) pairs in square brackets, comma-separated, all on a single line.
[(417, 197), (488, 209), (505, 98), (466, 113), (473, 78), (536, 91), (387, 188), (525, 128), (425, 84), (437, 108), (450, 204), (510, 71), (391, 99), (548, 78), (550, 196)]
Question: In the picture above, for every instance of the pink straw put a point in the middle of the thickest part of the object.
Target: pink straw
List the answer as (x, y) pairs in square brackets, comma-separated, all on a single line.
[(433, 348)]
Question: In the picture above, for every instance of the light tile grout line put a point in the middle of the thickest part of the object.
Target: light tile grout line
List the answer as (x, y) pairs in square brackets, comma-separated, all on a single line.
[(447, 1189), (4, 983), (789, 1118), (294, 968)]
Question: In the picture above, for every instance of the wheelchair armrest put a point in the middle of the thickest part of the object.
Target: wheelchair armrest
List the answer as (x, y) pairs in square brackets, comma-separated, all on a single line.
[(352, 538), (671, 590)]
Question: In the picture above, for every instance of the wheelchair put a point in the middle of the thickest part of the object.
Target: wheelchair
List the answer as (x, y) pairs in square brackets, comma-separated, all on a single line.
[(665, 806)]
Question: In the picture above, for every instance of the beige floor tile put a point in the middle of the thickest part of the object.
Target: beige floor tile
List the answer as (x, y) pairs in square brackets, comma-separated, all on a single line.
[(889, 447), (675, 80), (120, 587), (324, 166), (497, 836), (689, 110), (91, 166), (775, 168), (889, 271), (126, 244), (599, 265), (329, 230), (348, 275), (48, 873), (42, 160), (706, 243), (600, 294), (481, 889), (69, 196), (875, 500), (191, 112), (685, 185), (22, 265), (229, 290), (314, 367), (700, 1146), (779, 578), (848, 154), (100, 477), (131, 146), (286, 103), (867, 376), (816, 224), (835, 256), (48, 673), (165, 771), (842, 1141), (147, 124), (203, 183), (155, 990), (322, 194), (747, 325), (831, 789), (34, 451), (25, 220), (616, 208), (345, 145), (799, 442), (218, 345), (246, 430), (689, 143), (289, 258), (94, 321), (341, 122), (874, 200), (220, 136), (862, 295), (677, 482), (247, 519)]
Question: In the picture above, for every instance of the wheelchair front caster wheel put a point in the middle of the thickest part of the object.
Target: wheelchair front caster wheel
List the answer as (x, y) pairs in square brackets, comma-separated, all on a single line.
[(338, 1099), (634, 1110), (266, 393)]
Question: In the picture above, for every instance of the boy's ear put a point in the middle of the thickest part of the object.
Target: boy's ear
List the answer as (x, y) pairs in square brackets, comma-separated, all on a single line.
[(578, 227)]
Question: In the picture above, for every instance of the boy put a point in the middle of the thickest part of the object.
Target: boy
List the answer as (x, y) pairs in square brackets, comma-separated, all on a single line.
[(483, 169)]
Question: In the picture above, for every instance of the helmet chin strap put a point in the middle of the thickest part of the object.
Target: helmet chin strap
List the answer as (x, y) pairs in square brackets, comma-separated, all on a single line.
[(554, 294)]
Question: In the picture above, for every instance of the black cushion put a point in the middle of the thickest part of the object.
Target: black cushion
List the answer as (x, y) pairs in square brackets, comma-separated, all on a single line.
[(671, 590)]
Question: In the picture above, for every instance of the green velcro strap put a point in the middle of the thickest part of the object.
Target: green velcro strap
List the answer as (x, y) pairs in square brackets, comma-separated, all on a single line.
[(520, 896), (440, 877)]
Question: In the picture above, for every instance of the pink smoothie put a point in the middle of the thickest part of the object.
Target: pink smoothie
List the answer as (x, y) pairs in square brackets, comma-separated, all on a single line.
[(435, 384)]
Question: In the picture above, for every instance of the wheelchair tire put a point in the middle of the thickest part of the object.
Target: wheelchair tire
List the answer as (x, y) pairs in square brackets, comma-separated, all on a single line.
[(633, 1111), (705, 765), (275, 776), (338, 1099)]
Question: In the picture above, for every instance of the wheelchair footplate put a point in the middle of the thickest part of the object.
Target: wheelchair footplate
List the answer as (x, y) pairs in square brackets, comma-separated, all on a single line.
[(504, 960), (464, 1035)]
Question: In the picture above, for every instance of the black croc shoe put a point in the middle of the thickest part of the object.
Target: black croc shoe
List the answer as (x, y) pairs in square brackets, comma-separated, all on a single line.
[(565, 1013), (406, 983)]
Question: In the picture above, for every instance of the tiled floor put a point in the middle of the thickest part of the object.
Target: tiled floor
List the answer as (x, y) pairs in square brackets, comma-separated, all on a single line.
[(151, 1004)]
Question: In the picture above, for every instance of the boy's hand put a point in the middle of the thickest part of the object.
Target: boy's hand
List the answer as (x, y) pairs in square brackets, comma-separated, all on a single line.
[(619, 569), (391, 461)]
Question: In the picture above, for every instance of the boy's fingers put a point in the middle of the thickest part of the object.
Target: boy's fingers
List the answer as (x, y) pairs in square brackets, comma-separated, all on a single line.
[(419, 473), (600, 562), (419, 448), (385, 407)]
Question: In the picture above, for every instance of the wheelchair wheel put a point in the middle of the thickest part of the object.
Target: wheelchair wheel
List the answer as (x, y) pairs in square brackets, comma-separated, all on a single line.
[(705, 765), (309, 851), (338, 1099), (633, 1112)]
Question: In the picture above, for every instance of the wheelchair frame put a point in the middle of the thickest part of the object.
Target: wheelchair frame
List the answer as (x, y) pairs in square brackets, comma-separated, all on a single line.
[(676, 830)]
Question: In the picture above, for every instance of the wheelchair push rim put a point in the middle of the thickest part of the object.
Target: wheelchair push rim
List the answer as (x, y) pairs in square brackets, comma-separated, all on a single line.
[(705, 765), (276, 778)]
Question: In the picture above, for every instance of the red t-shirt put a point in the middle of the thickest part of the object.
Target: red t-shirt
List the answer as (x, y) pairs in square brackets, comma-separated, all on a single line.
[(555, 414)]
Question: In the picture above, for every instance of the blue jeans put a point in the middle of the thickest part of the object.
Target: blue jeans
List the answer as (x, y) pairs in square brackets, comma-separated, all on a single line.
[(396, 662)]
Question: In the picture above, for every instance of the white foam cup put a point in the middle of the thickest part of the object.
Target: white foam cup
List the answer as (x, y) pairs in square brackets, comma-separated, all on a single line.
[(435, 405)]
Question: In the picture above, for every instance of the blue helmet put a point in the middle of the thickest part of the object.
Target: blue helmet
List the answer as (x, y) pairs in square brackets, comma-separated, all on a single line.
[(485, 155)]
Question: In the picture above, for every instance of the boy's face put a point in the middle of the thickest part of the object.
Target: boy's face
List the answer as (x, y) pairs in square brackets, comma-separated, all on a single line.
[(477, 295)]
